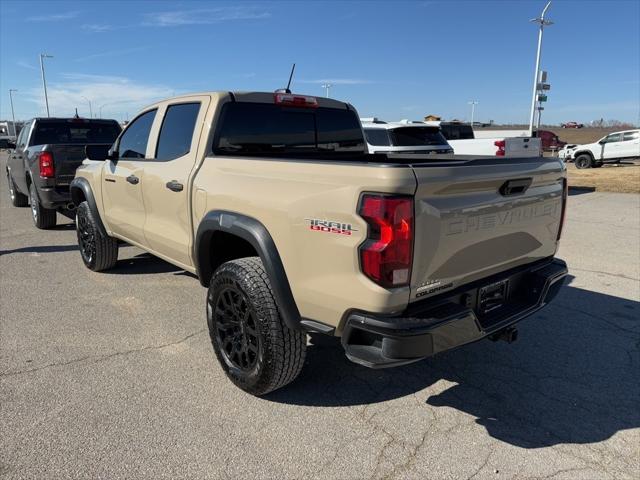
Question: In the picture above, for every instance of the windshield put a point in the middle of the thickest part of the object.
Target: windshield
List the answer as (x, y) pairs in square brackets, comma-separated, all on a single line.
[(417, 136), (73, 132), (268, 129)]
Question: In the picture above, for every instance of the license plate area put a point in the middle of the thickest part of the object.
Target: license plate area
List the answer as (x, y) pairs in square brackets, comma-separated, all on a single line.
[(492, 297)]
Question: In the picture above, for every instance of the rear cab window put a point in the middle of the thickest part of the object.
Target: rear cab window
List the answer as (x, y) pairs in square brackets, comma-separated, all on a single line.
[(456, 131), (74, 132), (262, 129), (377, 137)]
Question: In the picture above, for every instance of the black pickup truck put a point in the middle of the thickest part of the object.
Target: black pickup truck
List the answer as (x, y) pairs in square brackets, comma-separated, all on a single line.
[(44, 160)]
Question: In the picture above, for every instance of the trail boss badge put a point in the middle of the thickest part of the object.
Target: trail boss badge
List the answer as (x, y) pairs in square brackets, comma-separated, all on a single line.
[(329, 226)]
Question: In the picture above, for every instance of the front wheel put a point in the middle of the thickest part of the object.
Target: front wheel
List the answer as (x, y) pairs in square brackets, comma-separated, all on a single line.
[(17, 199), (99, 252), (583, 161), (43, 218), (255, 348)]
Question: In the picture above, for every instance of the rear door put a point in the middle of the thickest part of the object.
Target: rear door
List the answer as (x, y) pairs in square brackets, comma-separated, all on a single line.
[(167, 187), (631, 144), (480, 217), (122, 180)]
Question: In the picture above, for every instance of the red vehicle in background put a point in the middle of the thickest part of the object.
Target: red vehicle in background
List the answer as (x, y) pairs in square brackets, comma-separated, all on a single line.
[(550, 140), (572, 125)]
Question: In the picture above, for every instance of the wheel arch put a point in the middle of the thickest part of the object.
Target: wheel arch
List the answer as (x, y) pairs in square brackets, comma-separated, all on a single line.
[(81, 191), (584, 152), (251, 233)]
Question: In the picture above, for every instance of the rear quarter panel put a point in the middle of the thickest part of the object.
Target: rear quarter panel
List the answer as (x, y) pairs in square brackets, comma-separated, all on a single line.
[(322, 268)]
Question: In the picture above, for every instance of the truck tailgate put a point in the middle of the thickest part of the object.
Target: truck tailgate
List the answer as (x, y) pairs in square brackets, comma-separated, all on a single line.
[(479, 217), (66, 159)]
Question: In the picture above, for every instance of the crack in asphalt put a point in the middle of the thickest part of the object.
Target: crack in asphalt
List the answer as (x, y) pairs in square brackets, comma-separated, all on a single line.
[(101, 358), (617, 275)]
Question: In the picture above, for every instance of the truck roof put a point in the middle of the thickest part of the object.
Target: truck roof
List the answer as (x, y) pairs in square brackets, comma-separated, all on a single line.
[(392, 125), (256, 97)]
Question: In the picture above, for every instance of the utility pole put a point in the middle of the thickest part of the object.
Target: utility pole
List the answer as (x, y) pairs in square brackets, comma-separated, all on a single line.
[(90, 108), (542, 22), (13, 115), (473, 104), (44, 81), (327, 86)]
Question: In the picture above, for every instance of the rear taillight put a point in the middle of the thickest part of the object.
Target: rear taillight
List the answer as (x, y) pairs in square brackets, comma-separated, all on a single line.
[(292, 100), (563, 211), (45, 162), (500, 144), (386, 256)]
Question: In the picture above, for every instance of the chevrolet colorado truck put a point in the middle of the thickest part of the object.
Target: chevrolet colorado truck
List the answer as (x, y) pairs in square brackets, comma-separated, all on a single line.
[(44, 159), (612, 148), (274, 202)]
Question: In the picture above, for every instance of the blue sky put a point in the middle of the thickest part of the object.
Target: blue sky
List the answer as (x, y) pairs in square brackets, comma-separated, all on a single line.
[(390, 59)]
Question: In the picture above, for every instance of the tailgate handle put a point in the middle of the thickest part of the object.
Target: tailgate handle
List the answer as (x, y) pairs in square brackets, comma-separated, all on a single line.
[(515, 187)]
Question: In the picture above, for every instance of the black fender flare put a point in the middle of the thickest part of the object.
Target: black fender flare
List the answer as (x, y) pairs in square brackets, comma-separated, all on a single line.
[(256, 234), (80, 186)]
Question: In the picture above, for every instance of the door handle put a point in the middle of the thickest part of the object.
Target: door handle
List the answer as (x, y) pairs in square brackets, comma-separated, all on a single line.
[(174, 186), (133, 180)]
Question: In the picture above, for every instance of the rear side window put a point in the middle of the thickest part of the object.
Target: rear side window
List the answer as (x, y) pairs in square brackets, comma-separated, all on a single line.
[(265, 129), (377, 137), (456, 132), (133, 143), (631, 136), (176, 132), (417, 136), (73, 132)]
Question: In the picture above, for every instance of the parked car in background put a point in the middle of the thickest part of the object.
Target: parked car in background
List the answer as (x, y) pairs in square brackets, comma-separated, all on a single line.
[(549, 140), (403, 137), (44, 161), (462, 139), (273, 201), (613, 148), (572, 125)]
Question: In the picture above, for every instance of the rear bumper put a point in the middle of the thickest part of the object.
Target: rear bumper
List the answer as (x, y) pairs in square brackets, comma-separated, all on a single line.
[(54, 197), (448, 322)]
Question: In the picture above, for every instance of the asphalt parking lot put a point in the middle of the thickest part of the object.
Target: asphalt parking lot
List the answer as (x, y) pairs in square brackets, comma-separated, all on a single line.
[(112, 375)]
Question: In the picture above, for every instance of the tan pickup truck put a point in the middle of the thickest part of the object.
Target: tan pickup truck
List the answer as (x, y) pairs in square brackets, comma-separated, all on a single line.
[(274, 203)]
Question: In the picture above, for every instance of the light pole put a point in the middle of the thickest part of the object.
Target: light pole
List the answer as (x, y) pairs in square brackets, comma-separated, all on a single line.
[(327, 86), (90, 109), (473, 104), (542, 22), (13, 115), (44, 82)]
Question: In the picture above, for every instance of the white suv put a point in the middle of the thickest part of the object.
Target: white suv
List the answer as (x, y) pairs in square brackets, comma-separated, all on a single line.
[(403, 137), (614, 147)]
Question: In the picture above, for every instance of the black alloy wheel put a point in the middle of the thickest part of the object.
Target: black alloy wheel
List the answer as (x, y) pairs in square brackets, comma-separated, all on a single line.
[(86, 238)]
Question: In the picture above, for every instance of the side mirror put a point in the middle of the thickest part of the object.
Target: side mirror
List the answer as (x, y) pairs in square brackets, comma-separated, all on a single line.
[(96, 152), (602, 142), (113, 155), (11, 145)]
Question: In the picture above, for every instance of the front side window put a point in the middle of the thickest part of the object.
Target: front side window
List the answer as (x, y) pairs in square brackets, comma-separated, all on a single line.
[(631, 136), (268, 129), (377, 137), (614, 137), (133, 142), (177, 129)]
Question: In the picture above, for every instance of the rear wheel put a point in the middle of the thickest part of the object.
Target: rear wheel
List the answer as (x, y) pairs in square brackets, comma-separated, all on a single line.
[(43, 218), (583, 161), (256, 350), (99, 252), (17, 199)]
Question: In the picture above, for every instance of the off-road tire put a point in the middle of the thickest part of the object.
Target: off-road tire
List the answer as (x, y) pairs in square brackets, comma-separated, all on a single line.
[(17, 199), (43, 218), (98, 252), (583, 161), (274, 353)]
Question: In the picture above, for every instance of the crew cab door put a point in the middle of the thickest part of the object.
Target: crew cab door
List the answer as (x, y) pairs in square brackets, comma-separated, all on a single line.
[(611, 146), (122, 180), (630, 145), (167, 186), (16, 160)]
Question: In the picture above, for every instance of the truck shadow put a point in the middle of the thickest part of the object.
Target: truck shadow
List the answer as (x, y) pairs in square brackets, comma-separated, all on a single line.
[(141, 264), (571, 378)]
